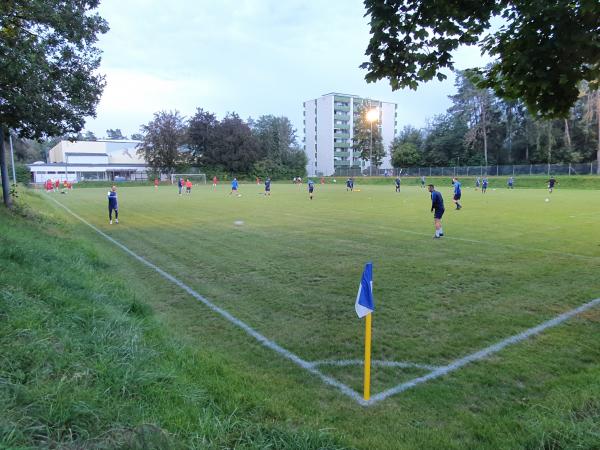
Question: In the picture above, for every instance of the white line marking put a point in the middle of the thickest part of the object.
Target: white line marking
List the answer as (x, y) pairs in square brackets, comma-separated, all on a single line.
[(375, 363), (247, 328), (481, 354)]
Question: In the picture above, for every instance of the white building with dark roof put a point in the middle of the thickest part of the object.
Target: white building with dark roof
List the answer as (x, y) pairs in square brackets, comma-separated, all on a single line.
[(91, 160)]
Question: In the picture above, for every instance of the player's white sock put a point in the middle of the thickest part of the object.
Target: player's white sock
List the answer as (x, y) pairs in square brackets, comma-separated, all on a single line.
[(441, 231), (437, 233)]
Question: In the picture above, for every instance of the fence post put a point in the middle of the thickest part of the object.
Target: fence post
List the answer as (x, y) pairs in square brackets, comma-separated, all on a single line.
[(496, 169), (530, 167), (430, 170), (569, 168), (513, 170), (591, 168)]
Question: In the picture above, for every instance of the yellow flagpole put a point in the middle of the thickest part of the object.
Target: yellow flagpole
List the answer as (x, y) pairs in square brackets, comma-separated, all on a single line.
[(367, 386)]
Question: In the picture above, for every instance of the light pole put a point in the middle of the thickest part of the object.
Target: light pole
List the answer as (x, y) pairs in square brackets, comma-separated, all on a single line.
[(372, 116)]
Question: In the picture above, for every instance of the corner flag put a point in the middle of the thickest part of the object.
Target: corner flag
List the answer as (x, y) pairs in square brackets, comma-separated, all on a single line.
[(364, 299)]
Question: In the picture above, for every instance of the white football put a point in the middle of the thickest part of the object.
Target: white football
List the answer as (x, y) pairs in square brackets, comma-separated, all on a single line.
[(547, 200), (239, 195), (238, 223)]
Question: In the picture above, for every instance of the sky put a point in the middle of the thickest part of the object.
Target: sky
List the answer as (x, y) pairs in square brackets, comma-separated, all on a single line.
[(252, 57)]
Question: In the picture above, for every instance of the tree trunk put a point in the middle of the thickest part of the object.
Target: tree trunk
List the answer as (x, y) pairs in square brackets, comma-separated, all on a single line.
[(509, 133), (568, 136), (4, 171), (484, 129), (526, 141), (598, 140), (549, 145), (538, 150)]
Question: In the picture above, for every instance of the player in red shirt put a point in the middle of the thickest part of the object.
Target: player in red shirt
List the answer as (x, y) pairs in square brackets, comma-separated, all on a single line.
[(156, 183), (215, 181), (188, 187)]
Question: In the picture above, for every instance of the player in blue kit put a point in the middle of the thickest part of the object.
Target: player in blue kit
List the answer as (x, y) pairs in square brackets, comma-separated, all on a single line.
[(113, 205), (268, 186), (484, 185), (457, 193), (234, 186), (397, 184), (437, 207), (349, 184), (510, 183), (311, 188)]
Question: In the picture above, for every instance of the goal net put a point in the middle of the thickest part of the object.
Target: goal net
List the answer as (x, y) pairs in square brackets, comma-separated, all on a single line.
[(195, 178)]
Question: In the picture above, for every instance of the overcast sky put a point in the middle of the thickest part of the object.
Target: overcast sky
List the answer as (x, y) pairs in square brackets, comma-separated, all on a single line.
[(252, 57)]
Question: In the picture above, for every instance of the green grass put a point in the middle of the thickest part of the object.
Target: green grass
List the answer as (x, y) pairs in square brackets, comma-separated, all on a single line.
[(510, 261), (85, 364), (521, 181)]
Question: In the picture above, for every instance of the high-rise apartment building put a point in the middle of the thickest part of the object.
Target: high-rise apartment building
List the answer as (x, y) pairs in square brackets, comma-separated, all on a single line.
[(329, 126)]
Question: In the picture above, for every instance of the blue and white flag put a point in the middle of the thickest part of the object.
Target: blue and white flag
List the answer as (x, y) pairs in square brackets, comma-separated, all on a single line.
[(364, 299)]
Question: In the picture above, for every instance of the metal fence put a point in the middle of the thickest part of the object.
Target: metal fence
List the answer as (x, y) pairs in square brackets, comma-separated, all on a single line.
[(590, 168)]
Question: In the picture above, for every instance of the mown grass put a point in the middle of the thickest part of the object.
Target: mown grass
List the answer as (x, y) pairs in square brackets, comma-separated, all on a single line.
[(495, 182), (510, 261), (85, 364)]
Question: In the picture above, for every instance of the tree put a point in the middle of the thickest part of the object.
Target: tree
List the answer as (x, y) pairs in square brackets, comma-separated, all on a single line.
[(279, 153), (543, 50), (404, 154), (163, 139), (201, 138), (115, 134), (236, 148), (48, 62), (367, 137), (89, 136), (477, 107), (137, 137), (445, 141)]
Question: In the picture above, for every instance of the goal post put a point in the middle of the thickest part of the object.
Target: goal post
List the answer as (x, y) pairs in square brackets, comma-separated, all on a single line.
[(195, 178)]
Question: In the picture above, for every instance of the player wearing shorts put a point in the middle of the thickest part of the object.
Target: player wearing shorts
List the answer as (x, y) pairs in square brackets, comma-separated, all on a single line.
[(551, 182), (484, 185), (188, 187), (311, 188), (215, 181), (423, 181), (510, 183), (268, 186), (113, 205), (457, 193), (179, 185), (397, 184), (437, 207), (234, 186)]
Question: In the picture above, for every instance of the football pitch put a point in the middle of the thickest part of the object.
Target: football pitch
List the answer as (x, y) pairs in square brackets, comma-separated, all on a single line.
[(283, 272)]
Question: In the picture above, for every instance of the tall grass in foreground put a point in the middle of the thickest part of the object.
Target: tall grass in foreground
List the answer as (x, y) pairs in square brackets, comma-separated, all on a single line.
[(85, 364)]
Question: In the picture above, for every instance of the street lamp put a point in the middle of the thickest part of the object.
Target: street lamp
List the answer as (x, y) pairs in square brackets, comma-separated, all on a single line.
[(372, 116)]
